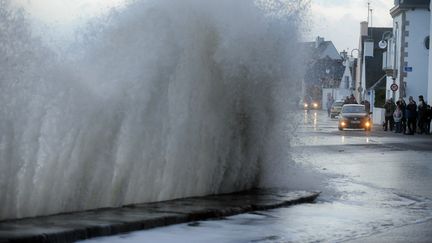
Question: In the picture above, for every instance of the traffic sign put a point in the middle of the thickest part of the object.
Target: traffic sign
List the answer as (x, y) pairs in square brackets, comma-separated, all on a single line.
[(394, 87), (408, 69)]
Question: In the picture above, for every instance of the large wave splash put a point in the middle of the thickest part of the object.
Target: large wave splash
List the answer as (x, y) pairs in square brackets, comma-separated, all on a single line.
[(160, 100)]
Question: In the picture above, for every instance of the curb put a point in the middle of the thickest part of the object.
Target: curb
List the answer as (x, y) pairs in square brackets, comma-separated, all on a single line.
[(72, 227)]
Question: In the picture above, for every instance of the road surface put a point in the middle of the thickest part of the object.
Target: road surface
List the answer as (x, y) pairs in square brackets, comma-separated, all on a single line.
[(376, 187)]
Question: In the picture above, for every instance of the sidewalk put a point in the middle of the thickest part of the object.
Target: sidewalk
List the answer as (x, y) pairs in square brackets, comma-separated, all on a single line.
[(103, 222)]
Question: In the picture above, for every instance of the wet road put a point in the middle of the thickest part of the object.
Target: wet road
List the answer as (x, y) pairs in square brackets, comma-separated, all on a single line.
[(376, 187)]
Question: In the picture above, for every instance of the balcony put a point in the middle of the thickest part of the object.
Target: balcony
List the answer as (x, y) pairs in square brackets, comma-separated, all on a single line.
[(388, 63)]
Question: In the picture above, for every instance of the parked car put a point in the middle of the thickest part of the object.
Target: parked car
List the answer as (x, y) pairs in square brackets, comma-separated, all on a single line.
[(336, 108), (354, 116)]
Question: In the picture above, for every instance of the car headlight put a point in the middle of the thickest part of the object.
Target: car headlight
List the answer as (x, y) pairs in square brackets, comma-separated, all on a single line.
[(315, 105), (306, 105), (343, 123), (367, 124)]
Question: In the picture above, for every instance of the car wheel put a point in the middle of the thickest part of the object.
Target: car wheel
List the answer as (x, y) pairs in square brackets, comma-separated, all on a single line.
[(332, 116), (340, 128)]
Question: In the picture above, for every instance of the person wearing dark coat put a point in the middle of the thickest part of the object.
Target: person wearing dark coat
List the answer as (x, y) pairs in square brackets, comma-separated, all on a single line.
[(422, 114), (352, 100), (411, 113), (389, 108), (402, 104), (366, 103), (428, 119)]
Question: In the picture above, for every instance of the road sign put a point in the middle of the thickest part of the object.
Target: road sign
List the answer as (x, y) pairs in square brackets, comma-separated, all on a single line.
[(394, 87), (408, 69)]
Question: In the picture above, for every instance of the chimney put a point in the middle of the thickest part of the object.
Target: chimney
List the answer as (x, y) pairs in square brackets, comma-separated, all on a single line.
[(364, 28), (344, 55), (318, 41)]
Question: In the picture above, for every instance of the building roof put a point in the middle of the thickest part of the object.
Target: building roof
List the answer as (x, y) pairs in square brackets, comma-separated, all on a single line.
[(411, 2), (404, 5), (316, 52), (320, 49)]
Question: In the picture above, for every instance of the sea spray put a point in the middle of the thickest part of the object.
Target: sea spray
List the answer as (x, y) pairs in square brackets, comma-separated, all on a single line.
[(159, 100)]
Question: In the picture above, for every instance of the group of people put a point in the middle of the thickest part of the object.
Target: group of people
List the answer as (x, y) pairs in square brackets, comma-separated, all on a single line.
[(408, 118), (350, 100)]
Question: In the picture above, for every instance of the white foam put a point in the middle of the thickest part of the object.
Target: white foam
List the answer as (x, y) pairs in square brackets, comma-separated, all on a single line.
[(159, 100)]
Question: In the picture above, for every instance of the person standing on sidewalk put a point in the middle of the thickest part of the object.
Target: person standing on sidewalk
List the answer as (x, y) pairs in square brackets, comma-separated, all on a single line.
[(329, 104), (411, 111), (428, 119), (422, 114), (397, 116), (366, 103), (389, 107), (352, 100), (402, 104)]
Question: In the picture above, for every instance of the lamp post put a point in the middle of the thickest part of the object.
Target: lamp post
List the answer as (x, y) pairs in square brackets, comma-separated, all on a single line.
[(352, 71), (329, 81), (385, 38)]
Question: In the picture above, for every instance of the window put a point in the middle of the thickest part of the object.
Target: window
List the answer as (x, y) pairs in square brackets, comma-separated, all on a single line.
[(427, 42), (353, 109)]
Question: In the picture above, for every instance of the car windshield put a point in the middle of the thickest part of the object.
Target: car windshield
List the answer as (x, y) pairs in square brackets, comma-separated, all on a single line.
[(338, 104), (353, 109)]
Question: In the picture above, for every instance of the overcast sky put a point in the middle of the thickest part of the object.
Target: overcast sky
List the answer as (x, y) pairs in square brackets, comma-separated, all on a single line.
[(335, 20), (66, 10), (339, 20)]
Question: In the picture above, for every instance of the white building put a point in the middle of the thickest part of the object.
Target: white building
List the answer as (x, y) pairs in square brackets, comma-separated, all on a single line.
[(347, 85), (429, 95), (407, 57)]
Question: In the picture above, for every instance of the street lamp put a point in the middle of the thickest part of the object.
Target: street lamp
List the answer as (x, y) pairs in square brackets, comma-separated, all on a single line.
[(330, 82), (384, 37), (358, 52)]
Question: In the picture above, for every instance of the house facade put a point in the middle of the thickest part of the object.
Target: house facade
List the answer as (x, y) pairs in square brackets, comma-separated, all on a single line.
[(337, 82), (347, 83), (429, 96), (370, 76), (407, 57)]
